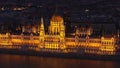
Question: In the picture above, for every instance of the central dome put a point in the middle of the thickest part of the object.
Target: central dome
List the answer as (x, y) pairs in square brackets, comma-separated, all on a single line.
[(56, 18)]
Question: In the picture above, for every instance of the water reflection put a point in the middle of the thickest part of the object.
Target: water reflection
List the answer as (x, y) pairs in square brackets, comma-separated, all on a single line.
[(18, 61)]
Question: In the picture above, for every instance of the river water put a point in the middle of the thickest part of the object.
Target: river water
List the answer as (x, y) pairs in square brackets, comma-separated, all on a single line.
[(21, 61)]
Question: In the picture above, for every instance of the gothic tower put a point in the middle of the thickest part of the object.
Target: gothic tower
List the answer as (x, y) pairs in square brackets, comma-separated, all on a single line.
[(57, 27), (41, 34)]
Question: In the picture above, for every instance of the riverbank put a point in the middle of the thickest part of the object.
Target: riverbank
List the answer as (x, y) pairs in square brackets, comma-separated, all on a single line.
[(60, 55)]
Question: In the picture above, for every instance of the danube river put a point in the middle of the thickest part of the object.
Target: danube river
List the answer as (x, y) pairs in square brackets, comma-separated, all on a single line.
[(20, 61)]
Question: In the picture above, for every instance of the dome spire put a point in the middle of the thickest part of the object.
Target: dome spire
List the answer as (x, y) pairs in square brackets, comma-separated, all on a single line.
[(56, 9), (56, 17)]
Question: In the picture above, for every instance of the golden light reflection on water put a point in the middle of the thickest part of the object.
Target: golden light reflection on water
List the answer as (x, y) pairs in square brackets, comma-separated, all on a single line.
[(18, 61)]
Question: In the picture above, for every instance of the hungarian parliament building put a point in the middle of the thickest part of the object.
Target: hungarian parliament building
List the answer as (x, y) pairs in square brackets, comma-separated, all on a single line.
[(56, 40)]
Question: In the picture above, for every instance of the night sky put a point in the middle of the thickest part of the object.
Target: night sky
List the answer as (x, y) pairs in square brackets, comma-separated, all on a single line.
[(75, 8), (80, 1)]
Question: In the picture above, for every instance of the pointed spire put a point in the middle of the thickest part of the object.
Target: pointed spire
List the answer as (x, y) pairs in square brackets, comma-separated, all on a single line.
[(56, 9), (41, 19), (42, 23), (42, 27)]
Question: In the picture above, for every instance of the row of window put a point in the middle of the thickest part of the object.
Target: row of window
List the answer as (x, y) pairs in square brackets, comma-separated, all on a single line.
[(70, 40), (3, 37), (25, 44), (100, 52), (107, 43), (52, 50), (26, 38)]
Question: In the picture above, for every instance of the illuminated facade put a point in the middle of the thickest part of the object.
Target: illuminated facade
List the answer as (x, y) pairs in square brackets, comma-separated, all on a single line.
[(56, 40)]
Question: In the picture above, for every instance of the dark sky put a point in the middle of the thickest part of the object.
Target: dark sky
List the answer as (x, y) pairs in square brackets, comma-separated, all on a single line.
[(74, 2), (81, 1)]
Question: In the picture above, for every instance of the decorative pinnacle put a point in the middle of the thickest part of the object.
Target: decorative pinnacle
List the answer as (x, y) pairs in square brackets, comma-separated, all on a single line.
[(42, 23), (41, 20)]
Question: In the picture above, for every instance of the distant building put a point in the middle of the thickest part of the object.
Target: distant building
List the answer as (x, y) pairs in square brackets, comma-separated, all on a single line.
[(56, 40)]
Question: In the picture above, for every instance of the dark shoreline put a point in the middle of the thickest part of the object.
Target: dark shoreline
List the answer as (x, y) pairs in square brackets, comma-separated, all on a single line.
[(61, 55)]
